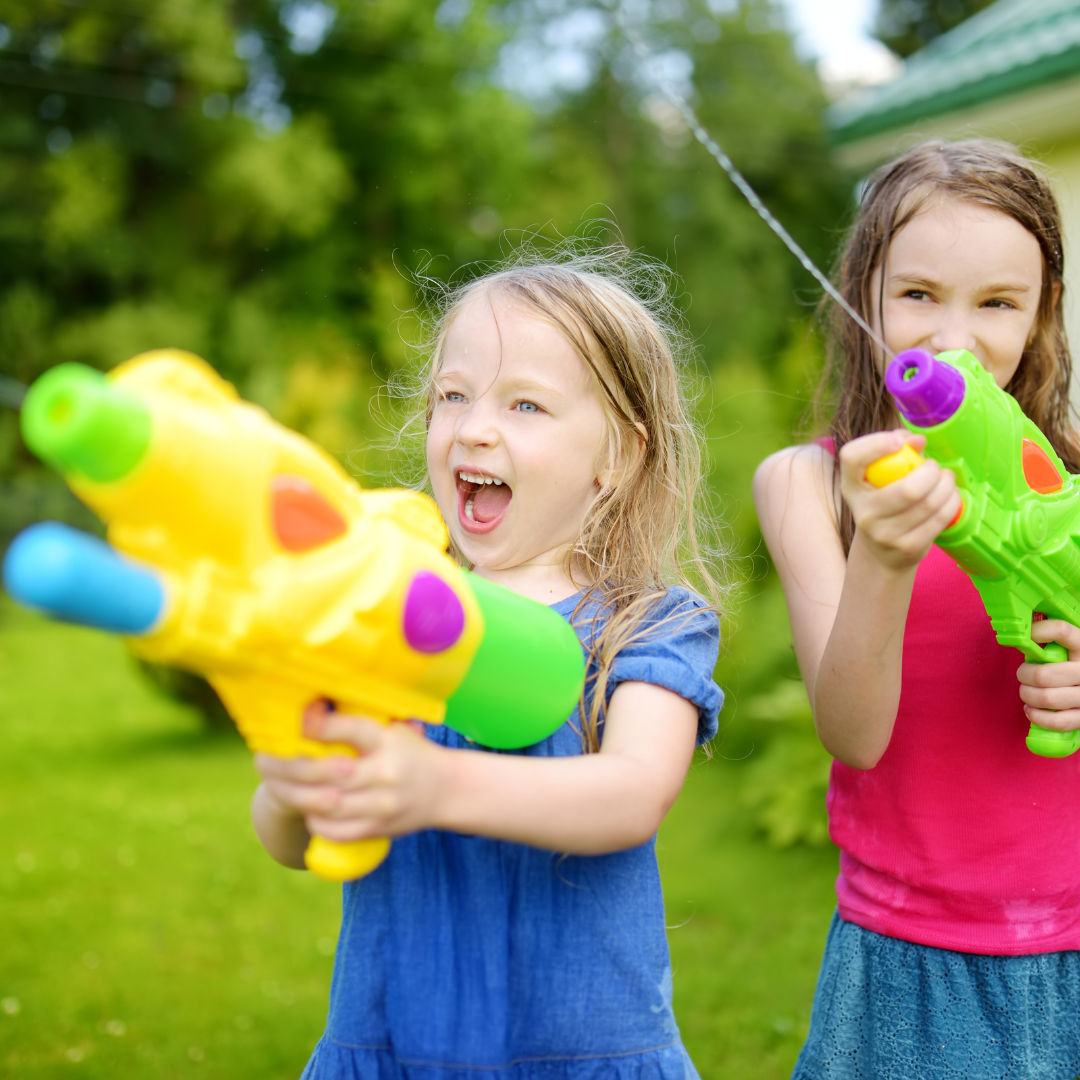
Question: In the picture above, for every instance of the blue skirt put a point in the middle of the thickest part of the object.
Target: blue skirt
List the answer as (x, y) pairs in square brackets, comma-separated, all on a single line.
[(890, 1010)]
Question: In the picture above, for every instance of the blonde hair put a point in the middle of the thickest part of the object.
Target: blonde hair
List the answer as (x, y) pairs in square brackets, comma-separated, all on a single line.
[(643, 533)]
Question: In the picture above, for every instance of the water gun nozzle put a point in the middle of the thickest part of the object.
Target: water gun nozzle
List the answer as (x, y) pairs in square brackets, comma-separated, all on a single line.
[(78, 421), (926, 391)]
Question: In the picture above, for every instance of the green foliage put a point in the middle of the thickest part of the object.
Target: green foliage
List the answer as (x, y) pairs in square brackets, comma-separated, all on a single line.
[(907, 25), (786, 784)]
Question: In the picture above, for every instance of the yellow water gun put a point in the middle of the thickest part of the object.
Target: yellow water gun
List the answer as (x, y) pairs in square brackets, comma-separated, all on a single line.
[(240, 550)]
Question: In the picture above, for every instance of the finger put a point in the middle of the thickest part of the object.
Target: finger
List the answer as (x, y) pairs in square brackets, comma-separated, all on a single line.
[(344, 832), (1051, 697), (306, 798), (1065, 673), (377, 804), (934, 510), (860, 453), (1060, 631), (920, 492), (1065, 720), (316, 710), (327, 770), (365, 734)]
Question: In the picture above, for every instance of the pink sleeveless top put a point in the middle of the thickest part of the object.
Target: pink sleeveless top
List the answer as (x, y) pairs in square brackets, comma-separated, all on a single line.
[(959, 837)]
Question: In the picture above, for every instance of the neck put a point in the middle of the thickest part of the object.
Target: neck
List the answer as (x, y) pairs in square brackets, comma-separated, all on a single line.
[(543, 579)]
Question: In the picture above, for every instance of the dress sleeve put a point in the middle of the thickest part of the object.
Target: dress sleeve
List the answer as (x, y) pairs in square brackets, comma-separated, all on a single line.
[(677, 650)]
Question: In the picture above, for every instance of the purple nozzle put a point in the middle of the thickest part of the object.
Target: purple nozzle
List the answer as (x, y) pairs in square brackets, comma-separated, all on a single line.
[(926, 391)]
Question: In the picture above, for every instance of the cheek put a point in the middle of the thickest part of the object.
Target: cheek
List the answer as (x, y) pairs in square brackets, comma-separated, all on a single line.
[(436, 448)]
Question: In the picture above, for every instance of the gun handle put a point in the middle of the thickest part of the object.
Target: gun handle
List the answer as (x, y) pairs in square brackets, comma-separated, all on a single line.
[(1055, 744), (1043, 741), (335, 860), (267, 711)]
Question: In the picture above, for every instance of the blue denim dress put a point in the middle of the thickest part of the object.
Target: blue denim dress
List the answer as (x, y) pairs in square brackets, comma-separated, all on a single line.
[(463, 958)]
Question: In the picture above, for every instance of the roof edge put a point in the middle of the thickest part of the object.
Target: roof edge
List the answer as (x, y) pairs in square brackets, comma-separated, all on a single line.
[(1029, 76)]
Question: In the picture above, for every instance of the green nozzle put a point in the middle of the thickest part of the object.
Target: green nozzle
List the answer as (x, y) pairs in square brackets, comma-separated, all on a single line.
[(79, 422)]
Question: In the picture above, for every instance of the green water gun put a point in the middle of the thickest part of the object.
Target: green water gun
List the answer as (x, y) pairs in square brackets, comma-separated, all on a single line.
[(1017, 533)]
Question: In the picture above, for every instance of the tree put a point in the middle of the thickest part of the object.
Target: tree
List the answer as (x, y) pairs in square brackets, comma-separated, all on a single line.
[(243, 179), (905, 26), (263, 181)]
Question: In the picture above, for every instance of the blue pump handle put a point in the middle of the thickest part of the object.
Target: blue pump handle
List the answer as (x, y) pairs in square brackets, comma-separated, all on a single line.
[(76, 577)]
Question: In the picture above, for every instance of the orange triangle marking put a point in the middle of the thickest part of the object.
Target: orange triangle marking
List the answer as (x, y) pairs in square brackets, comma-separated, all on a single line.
[(1039, 470), (302, 517)]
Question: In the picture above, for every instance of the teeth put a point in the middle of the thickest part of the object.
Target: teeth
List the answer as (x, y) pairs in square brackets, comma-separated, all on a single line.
[(478, 478), (469, 509)]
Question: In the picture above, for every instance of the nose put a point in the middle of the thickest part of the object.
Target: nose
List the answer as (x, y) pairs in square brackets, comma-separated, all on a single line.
[(954, 330), (476, 426)]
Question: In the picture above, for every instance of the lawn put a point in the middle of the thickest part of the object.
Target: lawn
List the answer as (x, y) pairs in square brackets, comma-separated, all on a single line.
[(146, 935)]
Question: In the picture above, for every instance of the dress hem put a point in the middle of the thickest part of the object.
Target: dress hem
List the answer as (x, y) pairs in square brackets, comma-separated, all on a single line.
[(351, 1061)]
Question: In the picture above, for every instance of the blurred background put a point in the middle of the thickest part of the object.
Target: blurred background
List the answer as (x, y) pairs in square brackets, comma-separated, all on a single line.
[(264, 182)]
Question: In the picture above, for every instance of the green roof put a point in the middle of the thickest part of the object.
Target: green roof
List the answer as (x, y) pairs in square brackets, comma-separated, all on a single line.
[(1009, 47)]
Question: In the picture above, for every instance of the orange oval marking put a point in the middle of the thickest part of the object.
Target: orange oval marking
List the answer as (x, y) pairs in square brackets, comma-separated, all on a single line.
[(302, 517), (1039, 470)]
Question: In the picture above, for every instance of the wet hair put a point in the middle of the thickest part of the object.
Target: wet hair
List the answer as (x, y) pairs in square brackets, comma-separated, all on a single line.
[(643, 534), (981, 171)]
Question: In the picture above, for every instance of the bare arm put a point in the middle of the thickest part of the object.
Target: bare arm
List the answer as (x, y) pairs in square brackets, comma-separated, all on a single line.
[(848, 616), (585, 805)]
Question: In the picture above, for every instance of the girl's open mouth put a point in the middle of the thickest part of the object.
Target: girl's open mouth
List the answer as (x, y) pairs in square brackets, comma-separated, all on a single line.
[(482, 501)]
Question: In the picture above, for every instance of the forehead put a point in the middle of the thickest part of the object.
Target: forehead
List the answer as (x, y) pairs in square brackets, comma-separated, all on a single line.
[(497, 336), (952, 236)]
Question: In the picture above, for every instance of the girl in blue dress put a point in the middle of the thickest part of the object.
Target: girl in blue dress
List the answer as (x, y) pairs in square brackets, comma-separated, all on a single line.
[(516, 929)]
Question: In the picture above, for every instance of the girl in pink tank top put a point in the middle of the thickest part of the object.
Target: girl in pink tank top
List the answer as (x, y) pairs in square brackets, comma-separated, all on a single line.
[(955, 951)]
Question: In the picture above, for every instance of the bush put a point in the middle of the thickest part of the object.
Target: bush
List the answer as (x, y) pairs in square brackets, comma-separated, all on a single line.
[(786, 784)]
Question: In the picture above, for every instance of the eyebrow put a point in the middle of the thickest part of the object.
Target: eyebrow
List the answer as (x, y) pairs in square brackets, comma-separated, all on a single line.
[(532, 384), (929, 283), (516, 385)]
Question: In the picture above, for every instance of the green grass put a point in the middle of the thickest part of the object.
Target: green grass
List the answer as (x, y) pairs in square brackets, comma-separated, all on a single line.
[(146, 935)]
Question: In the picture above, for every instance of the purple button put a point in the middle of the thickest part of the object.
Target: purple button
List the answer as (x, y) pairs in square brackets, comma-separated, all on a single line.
[(434, 618)]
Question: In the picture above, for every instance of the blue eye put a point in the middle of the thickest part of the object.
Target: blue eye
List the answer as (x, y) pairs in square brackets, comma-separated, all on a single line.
[(527, 406), (454, 397)]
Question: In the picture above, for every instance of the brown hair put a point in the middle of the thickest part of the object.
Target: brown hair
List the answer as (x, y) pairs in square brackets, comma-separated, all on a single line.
[(642, 534), (983, 171)]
